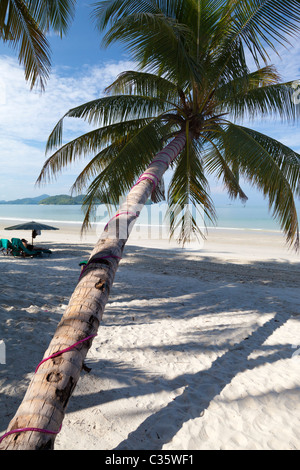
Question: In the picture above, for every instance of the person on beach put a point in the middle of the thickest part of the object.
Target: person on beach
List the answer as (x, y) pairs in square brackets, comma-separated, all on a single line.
[(36, 250), (31, 247), (27, 245)]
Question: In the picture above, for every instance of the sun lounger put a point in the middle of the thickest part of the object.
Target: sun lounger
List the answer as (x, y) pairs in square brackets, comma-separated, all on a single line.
[(5, 246), (19, 249)]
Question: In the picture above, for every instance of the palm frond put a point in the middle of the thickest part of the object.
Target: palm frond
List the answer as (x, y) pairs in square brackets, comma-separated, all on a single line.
[(205, 19), (109, 110), (247, 82), (223, 66), (145, 84), (256, 96), (256, 25), (56, 15), (270, 166), (86, 145), (127, 161), (215, 164), (109, 11), (264, 24), (94, 167), (158, 42), (128, 144), (188, 198), (23, 33), (4, 29)]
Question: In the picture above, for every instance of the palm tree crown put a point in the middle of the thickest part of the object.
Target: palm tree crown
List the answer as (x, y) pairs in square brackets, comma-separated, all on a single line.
[(193, 78)]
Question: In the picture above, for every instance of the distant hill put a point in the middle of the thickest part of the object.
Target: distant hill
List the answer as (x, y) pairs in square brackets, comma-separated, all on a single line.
[(62, 199), (27, 200), (45, 199)]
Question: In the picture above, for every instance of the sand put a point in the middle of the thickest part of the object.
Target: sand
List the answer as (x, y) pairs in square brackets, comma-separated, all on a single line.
[(199, 349)]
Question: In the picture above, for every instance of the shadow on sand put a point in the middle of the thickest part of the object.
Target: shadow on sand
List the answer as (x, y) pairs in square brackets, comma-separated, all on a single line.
[(208, 383)]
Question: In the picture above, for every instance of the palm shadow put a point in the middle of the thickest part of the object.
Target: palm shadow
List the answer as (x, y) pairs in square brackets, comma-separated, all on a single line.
[(154, 431), (213, 380)]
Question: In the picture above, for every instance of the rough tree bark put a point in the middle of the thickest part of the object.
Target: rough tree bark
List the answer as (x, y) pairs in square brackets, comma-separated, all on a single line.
[(51, 387)]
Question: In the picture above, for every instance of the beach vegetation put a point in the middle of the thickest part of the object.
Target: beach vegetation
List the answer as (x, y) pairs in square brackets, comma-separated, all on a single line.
[(62, 199)]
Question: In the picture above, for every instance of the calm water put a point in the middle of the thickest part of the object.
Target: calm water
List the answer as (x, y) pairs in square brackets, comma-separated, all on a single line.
[(229, 216), (38, 213)]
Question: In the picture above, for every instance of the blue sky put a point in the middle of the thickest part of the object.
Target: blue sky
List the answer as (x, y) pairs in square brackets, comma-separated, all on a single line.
[(80, 71)]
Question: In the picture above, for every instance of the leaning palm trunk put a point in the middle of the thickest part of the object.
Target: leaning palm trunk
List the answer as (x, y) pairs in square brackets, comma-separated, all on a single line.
[(44, 405)]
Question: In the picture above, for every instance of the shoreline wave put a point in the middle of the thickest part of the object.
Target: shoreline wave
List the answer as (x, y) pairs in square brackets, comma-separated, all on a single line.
[(79, 223)]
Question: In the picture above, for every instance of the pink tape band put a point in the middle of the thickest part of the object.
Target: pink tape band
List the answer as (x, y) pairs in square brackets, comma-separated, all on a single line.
[(16, 431), (58, 353), (151, 174), (142, 178), (119, 214), (161, 161)]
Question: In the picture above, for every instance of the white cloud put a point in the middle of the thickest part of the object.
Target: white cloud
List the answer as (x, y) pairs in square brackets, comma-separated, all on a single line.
[(286, 61), (27, 117)]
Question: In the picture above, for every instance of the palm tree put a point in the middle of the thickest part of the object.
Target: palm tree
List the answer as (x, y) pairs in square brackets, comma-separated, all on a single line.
[(24, 25), (181, 111), (143, 110)]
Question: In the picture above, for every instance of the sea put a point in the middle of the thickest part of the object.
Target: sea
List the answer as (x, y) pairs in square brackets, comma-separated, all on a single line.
[(229, 216)]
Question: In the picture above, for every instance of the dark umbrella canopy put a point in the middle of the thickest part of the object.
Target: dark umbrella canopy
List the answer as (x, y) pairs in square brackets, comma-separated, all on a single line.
[(31, 226)]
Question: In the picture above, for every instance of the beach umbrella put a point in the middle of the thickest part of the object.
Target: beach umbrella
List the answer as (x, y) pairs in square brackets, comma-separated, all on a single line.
[(34, 226)]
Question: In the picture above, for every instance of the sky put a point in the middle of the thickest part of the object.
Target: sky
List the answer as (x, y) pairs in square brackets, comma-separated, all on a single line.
[(81, 70)]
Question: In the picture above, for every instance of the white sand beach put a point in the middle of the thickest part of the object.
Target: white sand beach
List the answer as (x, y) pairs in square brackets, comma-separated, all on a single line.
[(198, 348)]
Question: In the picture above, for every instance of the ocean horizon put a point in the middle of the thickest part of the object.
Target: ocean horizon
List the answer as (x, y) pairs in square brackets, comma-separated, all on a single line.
[(229, 216)]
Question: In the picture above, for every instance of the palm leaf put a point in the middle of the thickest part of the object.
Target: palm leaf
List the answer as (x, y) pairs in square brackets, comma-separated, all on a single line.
[(55, 14), (263, 24), (109, 110), (23, 33), (128, 156), (157, 41), (87, 144), (145, 84), (258, 95), (108, 157), (188, 197), (256, 25), (215, 163), (272, 167), (95, 166)]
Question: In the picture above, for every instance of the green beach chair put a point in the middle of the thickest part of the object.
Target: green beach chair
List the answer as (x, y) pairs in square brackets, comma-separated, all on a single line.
[(5, 246), (83, 263), (18, 249)]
